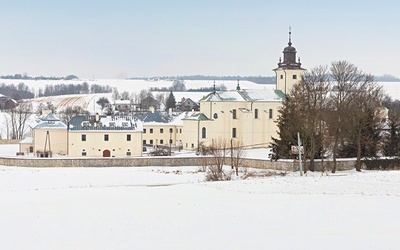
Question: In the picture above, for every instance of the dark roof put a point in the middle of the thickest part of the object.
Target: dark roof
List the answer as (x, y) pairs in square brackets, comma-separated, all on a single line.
[(155, 117), (111, 123)]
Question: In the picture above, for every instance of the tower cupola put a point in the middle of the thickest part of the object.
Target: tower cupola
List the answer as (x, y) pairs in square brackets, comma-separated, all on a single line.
[(289, 56), (289, 70)]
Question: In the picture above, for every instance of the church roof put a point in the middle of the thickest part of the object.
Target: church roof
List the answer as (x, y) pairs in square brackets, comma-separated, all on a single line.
[(196, 116), (245, 95)]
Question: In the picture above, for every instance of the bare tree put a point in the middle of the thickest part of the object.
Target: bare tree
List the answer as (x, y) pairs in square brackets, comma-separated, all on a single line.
[(354, 98), (219, 151), (161, 98), (115, 94), (363, 110), (312, 92), (346, 77), (68, 113), (125, 95), (49, 106), (6, 121), (19, 117), (237, 154)]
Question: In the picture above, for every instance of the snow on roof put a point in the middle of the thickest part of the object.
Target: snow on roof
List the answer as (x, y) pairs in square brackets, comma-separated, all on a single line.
[(122, 102), (245, 95), (118, 123), (262, 95), (49, 117), (196, 116), (27, 140), (50, 125), (162, 118)]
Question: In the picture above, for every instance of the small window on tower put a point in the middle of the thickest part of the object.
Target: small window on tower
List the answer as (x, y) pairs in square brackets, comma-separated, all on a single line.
[(281, 76), (294, 77)]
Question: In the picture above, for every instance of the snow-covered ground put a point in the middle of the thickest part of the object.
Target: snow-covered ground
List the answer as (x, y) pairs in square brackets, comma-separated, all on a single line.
[(174, 208)]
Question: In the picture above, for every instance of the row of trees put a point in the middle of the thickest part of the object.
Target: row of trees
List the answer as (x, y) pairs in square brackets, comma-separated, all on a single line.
[(69, 89), (338, 113), (26, 77), (22, 91), (16, 92)]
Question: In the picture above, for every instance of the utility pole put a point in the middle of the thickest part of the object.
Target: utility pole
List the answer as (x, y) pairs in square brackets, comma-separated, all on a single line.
[(232, 152), (299, 149)]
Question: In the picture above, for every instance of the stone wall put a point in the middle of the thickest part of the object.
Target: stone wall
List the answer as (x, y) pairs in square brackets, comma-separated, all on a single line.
[(159, 161), (9, 141)]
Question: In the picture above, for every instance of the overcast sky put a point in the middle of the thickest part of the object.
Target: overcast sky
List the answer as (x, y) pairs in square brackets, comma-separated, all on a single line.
[(118, 39)]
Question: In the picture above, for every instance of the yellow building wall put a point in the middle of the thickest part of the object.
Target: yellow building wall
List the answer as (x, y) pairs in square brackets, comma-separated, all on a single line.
[(95, 144), (284, 79), (57, 138), (158, 138), (250, 131)]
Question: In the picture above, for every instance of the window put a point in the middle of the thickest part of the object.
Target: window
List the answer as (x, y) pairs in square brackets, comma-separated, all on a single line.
[(83, 153), (203, 132), (151, 142), (151, 131), (170, 141), (270, 113), (128, 153), (170, 130), (180, 131), (83, 137), (294, 77), (106, 137), (233, 132), (256, 114), (144, 142), (234, 114), (85, 124), (281, 76), (215, 116), (161, 130), (192, 145), (161, 141), (144, 131), (128, 137)]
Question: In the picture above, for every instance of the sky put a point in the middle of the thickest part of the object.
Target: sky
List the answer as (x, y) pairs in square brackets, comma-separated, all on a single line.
[(120, 39)]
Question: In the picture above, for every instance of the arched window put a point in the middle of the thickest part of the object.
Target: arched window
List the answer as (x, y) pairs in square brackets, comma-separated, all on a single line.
[(203, 132), (215, 116)]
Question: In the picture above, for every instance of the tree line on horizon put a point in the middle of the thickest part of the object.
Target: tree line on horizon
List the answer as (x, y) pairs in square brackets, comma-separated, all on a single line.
[(26, 77), (255, 79)]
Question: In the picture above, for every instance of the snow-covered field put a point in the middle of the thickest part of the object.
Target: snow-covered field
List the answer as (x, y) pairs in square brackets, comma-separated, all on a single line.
[(173, 208)]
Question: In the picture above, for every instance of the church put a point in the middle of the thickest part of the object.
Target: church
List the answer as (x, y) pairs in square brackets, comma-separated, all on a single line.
[(247, 117)]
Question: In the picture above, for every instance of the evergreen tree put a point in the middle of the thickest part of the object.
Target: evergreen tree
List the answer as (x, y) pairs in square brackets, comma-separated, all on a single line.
[(288, 126), (170, 103)]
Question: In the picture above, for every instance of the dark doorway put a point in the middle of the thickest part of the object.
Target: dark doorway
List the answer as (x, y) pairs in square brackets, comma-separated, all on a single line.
[(106, 153)]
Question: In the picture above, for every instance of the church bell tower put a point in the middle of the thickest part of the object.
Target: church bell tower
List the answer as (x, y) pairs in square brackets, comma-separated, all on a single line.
[(289, 71)]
